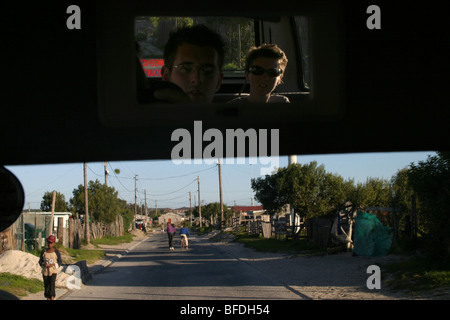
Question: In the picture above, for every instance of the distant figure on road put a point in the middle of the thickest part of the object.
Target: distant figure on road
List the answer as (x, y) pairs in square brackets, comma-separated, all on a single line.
[(170, 232), (184, 233)]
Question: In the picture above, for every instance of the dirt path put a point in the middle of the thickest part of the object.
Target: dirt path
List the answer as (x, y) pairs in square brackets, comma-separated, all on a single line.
[(333, 276)]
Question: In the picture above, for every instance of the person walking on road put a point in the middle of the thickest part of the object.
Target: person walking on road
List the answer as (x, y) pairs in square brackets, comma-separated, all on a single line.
[(184, 232), (50, 260), (170, 232)]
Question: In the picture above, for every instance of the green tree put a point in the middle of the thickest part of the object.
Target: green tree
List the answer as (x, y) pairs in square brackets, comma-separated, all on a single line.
[(127, 214), (374, 192), (402, 190), (430, 180), (103, 203), (268, 191), (60, 202), (402, 193), (212, 212), (312, 191), (237, 34), (308, 188), (164, 25)]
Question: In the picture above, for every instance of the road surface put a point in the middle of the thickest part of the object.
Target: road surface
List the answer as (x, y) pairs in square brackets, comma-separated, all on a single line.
[(205, 271)]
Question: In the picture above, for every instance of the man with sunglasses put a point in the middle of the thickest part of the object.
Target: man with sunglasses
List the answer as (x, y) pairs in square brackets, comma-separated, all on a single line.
[(193, 60), (264, 70)]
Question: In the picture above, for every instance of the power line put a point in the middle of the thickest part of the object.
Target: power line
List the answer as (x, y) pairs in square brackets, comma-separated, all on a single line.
[(94, 172), (171, 177), (115, 175), (183, 195), (163, 194), (180, 176)]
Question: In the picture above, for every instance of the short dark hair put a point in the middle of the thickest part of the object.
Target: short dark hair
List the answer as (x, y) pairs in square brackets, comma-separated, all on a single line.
[(199, 35), (266, 51)]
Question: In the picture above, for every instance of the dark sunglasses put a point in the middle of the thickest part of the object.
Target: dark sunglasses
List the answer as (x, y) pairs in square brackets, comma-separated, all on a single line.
[(272, 72)]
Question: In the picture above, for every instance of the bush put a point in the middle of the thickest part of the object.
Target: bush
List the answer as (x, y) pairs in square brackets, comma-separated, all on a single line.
[(431, 181), (230, 66)]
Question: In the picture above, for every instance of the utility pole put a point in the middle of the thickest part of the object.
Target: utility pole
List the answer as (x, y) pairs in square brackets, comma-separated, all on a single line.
[(86, 206), (190, 208), (293, 215), (53, 212), (145, 191), (135, 200), (251, 178), (199, 202), (106, 174), (222, 221)]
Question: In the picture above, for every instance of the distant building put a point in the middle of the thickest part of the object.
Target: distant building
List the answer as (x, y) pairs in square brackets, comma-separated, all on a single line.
[(172, 217), (39, 217), (249, 212), (179, 210), (247, 208)]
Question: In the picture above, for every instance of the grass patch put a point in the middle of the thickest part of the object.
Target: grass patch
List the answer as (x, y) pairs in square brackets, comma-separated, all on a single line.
[(419, 274), (84, 254), (76, 254), (126, 238), (262, 244), (18, 285), (204, 230)]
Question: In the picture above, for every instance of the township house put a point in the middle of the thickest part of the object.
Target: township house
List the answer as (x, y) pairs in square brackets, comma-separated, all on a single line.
[(177, 217), (41, 219), (249, 212), (174, 218)]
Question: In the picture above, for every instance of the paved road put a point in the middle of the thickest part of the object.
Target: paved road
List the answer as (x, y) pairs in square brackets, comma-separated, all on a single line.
[(151, 271)]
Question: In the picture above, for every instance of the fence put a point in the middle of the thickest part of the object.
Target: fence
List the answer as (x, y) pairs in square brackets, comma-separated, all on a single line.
[(77, 231), (317, 230), (266, 225), (13, 237), (22, 236)]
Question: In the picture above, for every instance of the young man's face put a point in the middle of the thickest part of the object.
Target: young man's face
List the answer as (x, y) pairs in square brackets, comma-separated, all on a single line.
[(195, 70), (263, 85)]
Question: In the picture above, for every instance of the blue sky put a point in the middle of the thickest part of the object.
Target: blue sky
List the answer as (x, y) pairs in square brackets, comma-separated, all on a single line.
[(168, 185)]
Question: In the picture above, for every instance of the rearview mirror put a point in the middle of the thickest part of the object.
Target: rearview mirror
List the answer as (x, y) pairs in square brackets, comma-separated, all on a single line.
[(12, 198)]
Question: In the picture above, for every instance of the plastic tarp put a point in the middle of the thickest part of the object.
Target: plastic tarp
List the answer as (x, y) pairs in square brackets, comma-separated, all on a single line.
[(371, 237)]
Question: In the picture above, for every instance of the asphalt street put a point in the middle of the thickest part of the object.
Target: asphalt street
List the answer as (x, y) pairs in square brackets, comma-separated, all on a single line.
[(151, 272)]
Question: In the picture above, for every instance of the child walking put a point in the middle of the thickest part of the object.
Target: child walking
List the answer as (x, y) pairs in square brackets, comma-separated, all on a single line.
[(50, 261), (170, 232)]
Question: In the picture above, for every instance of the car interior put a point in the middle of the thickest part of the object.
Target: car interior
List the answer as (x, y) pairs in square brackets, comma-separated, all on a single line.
[(70, 94)]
